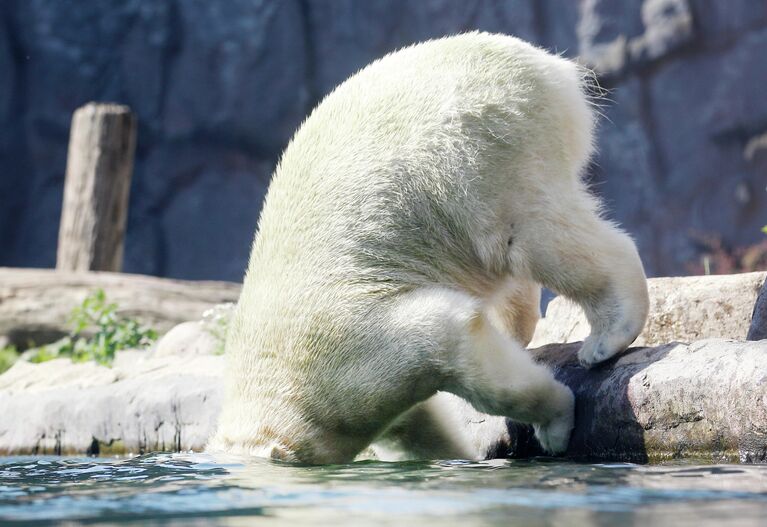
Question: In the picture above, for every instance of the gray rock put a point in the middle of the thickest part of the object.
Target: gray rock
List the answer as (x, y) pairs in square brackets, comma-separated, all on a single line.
[(703, 401), (668, 25), (216, 212), (192, 197), (758, 328), (142, 403), (558, 22), (187, 338), (719, 21), (91, 52), (604, 28), (7, 73), (701, 133), (626, 172), (362, 31), (219, 88), (613, 35), (36, 303), (682, 309), (240, 74)]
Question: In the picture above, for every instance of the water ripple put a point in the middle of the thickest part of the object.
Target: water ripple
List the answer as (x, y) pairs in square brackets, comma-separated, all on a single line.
[(197, 488)]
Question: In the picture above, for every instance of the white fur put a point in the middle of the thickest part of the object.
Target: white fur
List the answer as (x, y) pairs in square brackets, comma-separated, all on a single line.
[(399, 251)]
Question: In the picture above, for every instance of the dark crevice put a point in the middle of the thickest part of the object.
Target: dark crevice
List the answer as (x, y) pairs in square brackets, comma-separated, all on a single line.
[(14, 208), (658, 165), (540, 22), (170, 54), (310, 56)]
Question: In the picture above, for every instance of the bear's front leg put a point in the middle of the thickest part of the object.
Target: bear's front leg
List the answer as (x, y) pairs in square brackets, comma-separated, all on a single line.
[(476, 361), (578, 254), (497, 376)]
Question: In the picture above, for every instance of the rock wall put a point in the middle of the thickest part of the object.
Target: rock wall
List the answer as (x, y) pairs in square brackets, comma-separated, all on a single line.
[(219, 88)]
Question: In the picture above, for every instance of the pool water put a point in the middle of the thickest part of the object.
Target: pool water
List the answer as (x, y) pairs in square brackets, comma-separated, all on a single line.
[(197, 489)]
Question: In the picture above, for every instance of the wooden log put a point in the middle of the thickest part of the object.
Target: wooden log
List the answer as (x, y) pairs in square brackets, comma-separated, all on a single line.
[(35, 304), (99, 168)]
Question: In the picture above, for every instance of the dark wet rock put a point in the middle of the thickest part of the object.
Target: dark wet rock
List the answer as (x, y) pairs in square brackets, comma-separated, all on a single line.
[(704, 400)]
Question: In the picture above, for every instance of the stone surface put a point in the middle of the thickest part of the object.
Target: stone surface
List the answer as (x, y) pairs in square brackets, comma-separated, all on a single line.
[(682, 309), (187, 338), (701, 134), (668, 25), (142, 403), (724, 21), (341, 46), (758, 328), (219, 87), (230, 80), (706, 400)]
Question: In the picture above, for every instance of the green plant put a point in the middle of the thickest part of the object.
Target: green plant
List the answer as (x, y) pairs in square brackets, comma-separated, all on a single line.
[(764, 229), (8, 355), (216, 322), (97, 334)]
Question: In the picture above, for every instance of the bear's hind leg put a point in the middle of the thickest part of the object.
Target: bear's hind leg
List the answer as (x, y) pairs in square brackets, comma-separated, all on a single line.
[(516, 309)]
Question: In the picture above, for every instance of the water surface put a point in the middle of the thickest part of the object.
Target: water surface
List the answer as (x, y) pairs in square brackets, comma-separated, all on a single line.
[(196, 489)]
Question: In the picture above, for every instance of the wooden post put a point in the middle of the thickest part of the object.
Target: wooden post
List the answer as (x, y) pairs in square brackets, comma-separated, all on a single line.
[(99, 169)]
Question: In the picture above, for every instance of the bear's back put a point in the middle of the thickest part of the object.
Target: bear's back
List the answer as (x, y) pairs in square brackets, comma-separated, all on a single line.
[(391, 173)]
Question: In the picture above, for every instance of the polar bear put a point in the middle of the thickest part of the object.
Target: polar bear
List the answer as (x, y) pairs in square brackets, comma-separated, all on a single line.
[(399, 254)]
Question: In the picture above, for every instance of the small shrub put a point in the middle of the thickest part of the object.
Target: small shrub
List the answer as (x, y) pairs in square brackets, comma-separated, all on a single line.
[(718, 257), (8, 355), (97, 334), (216, 322)]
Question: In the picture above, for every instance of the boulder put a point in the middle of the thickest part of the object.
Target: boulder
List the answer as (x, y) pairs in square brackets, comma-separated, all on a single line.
[(706, 400), (144, 402), (187, 338), (681, 309)]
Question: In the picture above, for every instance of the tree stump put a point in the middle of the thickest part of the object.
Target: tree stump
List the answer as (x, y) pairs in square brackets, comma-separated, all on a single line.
[(99, 169)]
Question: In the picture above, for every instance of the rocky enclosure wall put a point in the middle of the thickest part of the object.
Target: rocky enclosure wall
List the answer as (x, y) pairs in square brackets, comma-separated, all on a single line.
[(219, 87)]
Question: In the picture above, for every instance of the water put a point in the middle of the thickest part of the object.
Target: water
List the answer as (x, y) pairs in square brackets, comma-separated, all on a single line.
[(196, 489)]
